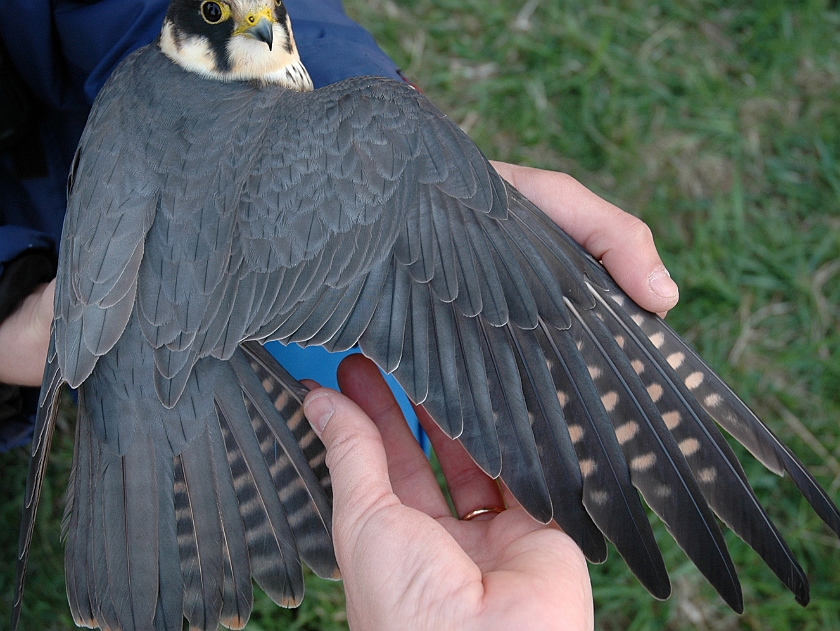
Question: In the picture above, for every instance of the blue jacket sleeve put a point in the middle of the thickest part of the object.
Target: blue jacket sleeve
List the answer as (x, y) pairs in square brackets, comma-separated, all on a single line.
[(332, 46), (15, 240)]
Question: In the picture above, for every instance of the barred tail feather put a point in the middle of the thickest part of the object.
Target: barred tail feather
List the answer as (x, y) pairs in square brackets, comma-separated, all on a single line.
[(305, 503), (130, 518), (76, 526), (275, 563), (287, 395), (199, 534), (41, 442)]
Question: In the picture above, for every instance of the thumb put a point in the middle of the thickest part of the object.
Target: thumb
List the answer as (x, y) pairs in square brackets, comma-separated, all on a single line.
[(355, 457), (621, 241)]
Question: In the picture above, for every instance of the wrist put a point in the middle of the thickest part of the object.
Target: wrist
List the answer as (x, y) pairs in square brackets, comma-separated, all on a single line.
[(24, 338)]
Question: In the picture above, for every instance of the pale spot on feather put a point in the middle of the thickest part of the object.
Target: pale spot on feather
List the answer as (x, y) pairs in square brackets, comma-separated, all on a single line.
[(663, 491), (626, 432), (594, 372), (267, 384), (281, 401), (579, 345), (562, 398), (657, 339), (655, 392), (599, 497), (713, 400), (707, 475), (672, 419), (694, 380), (643, 463), (609, 400), (306, 440), (676, 360), (575, 433), (620, 340), (638, 366), (587, 467), (618, 299), (638, 319), (689, 446)]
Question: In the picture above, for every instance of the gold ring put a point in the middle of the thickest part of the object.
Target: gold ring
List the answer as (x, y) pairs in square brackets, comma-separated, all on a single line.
[(482, 511)]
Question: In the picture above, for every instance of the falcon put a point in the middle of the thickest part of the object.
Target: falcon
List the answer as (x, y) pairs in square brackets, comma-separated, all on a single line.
[(217, 202)]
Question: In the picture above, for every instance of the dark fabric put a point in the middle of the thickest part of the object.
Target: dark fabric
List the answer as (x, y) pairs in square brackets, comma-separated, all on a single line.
[(21, 275)]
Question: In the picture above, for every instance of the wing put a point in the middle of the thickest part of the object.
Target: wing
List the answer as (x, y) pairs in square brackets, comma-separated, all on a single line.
[(293, 198), (375, 219), (110, 208)]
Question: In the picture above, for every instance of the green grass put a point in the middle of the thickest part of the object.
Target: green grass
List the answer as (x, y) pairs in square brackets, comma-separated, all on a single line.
[(719, 125)]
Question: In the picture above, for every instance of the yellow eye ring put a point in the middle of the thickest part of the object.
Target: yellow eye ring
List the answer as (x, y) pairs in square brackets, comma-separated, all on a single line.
[(214, 12)]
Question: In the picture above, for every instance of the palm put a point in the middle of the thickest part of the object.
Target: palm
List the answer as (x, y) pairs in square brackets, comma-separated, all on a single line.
[(455, 573)]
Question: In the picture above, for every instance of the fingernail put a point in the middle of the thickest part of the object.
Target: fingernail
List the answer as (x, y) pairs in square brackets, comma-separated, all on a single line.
[(661, 283), (318, 410)]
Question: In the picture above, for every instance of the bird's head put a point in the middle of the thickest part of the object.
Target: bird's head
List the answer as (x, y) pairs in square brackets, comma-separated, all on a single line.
[(234, 40)]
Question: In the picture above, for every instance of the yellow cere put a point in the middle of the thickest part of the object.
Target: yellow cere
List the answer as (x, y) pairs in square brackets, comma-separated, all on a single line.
[(252, 19)]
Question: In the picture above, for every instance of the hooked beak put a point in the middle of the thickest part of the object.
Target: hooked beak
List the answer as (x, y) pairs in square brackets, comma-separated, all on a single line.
[(259, 26)]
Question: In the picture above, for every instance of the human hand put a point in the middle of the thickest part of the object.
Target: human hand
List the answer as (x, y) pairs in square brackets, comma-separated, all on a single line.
[(406, 562), (25, 337), (618, 239)]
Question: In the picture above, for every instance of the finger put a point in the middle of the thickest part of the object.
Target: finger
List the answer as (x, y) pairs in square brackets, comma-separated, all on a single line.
[(623, 243), (355, 457), (469, 487), (408, 468)]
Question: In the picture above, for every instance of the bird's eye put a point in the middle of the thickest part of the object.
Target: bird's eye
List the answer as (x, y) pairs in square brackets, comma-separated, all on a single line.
[(214, 12)]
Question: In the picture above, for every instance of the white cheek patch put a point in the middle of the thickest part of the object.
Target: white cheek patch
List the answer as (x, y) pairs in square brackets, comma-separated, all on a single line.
[(192, 53)]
